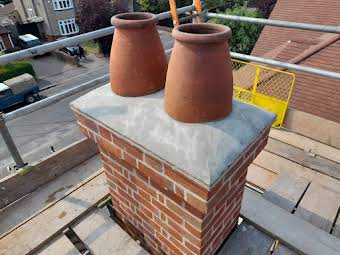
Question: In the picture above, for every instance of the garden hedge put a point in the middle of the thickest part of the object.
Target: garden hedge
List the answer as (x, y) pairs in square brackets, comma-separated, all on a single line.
[(15, 69)]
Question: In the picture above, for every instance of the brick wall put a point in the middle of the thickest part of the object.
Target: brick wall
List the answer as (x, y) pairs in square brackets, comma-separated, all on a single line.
[(169, 212), (6, 41)]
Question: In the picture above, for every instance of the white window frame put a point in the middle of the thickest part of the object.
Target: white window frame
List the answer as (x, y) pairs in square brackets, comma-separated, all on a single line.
[(68, 26), (60, 5), (2, 45)]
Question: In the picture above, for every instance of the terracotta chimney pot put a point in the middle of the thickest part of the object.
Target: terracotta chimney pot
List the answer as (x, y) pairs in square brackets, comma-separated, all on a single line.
[(138, 63)]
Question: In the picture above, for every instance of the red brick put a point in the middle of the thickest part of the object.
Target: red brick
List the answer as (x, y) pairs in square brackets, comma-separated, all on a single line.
[(193, 230), (116, 181), (146, 204), (168, 193), (227, 214), (161, 198), (92, 135), (207, 241), (208, 225), (164, 183), (112, 164), (112, 149), (219, 195), (216, 186), (181, 246), (179, 191), (131, 200), (194, 211), (83, 129), (123, 144), (147, 226), (184, 214), (233, 168), (253, 147), (144, 185), (172, 247), (144, 195), (129, 159), (111, 184), (238, 174), (167, 212), (124, 180), (189, 236), (172, 231), (228, 198), (153, 162), (261, 146), (120, 198), (197, 203), (87, 122), (186, 182), (105, 133), (164, 232), (192, 247), (142, 176)]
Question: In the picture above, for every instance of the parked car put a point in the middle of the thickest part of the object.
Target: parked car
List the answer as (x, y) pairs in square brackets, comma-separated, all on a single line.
[(71, 50), (28, 41), (21, 89)]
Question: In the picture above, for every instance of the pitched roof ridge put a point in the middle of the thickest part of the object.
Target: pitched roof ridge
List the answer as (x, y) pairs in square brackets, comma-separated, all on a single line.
[(325, 40)]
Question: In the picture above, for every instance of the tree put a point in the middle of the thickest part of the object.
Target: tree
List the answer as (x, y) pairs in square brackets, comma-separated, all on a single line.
[(211, 4), (158, 6), (96, 14), (265, 7), (244, 34)]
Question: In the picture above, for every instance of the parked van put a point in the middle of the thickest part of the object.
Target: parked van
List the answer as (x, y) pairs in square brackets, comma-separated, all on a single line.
[(21, 89), (28, 41)]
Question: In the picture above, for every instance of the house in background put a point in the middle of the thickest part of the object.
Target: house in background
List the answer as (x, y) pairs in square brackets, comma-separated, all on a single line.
[(5, 40), (9, 14), (312, 94), (47, 19)]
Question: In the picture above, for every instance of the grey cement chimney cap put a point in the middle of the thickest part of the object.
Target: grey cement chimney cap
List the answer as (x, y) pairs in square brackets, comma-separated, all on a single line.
[(203, 151)]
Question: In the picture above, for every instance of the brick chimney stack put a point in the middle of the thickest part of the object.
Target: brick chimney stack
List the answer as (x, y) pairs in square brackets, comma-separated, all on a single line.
[(176, 187)]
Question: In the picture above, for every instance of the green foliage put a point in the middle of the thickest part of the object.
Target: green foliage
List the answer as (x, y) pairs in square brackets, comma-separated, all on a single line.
[(158, 6), (15, 69), (265, 7), (154, 6), (208, 4), (93, 15), (244, 35)]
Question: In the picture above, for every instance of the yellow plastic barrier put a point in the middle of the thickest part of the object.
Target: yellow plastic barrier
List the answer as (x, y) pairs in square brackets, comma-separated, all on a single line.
[(264, 87)]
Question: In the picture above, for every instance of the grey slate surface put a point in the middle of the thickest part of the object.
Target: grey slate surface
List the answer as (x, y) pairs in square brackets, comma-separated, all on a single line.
[(247, 240), (286, 191), (287, 227), (203, 151)]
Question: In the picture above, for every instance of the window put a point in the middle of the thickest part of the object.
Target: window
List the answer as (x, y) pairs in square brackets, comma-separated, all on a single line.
[(68, 26), (62, 4), (5, 93), (2, 45)]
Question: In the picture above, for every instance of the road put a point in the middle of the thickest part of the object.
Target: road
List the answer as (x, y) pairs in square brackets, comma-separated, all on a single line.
[(35, 133)]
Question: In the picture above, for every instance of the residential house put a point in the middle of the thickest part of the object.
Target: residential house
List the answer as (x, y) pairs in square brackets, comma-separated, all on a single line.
[(5, 39), (312, 94), (8, 14), (48, 19)]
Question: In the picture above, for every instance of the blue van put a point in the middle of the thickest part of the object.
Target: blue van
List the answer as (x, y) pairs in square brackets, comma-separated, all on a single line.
[(21, 89)]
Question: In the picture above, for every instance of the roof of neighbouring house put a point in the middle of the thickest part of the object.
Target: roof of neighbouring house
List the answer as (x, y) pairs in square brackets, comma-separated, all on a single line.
[(313, 94), (7, 9)]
